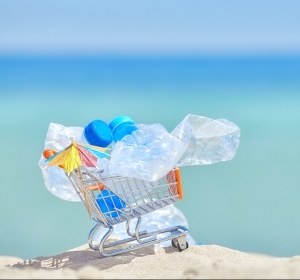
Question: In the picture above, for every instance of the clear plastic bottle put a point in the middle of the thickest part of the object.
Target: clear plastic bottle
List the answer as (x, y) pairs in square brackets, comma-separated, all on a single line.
[(207, 140)]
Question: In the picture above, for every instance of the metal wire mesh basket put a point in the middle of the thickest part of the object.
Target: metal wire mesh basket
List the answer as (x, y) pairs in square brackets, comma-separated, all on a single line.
[(113, 200)]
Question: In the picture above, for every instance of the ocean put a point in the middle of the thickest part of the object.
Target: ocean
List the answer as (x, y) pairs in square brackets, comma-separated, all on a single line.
[(250, 203)]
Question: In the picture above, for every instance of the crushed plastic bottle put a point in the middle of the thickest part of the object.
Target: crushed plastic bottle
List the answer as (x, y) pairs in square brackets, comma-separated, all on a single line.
[(207, 140), (149, 153), (162, 218)]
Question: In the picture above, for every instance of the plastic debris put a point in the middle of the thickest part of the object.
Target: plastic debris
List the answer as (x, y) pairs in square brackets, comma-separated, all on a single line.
[(148, 153), (207, 140)]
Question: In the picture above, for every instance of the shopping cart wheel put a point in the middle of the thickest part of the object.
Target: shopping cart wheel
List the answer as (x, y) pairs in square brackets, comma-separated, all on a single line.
[(179, 248), (174, 243)]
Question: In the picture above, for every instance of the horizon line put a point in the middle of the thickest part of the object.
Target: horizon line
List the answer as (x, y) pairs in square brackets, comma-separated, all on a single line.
[(147, 54)]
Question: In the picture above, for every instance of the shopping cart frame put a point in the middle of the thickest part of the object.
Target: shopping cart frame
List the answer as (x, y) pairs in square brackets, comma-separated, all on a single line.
[(140, 197)]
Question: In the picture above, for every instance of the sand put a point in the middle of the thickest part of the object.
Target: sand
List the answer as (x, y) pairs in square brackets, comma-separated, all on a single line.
[(153, 262)]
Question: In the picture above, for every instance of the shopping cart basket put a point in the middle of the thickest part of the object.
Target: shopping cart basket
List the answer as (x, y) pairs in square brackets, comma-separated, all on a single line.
[(113, 200)]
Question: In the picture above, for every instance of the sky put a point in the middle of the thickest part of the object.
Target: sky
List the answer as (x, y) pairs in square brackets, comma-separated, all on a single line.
[(149, 27)]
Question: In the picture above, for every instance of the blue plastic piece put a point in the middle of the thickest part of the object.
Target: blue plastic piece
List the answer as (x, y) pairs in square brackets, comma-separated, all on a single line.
[(122, 126), (118, 120), (108, 201), (98, 133)]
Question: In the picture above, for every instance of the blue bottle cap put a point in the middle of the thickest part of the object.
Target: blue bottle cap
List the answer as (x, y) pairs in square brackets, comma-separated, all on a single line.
[(120, 120), (98, 133)]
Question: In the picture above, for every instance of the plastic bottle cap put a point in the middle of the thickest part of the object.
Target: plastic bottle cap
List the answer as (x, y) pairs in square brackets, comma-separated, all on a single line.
[(98, 133), (120, 120), (122, 126)]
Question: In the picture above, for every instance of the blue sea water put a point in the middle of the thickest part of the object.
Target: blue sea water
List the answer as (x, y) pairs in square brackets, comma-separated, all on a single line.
[(250, 203)]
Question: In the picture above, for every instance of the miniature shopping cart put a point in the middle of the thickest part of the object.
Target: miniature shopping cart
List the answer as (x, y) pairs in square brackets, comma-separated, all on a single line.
[(115, 199)]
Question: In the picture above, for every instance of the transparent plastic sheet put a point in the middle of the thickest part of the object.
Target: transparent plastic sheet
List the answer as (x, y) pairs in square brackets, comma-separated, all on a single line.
[(165, 217), (55, 179), (57, 182), (207, 140), (58, 136), (148, 153)]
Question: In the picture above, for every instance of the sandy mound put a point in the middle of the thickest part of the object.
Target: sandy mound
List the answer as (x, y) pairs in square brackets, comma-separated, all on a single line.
[(209, 261)]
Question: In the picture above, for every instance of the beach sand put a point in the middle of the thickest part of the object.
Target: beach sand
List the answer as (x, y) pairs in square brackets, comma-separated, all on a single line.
[(206, 261)]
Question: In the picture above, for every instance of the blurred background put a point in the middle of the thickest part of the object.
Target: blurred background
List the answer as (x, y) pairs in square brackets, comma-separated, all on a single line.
[(72, 62)]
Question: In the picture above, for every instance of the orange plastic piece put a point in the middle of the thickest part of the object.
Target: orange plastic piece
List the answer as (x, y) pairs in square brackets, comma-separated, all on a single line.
[(48, 153), (97, 186), (178, 180)]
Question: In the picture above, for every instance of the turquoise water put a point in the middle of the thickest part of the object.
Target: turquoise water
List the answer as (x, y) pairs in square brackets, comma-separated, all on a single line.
[(250, 203)]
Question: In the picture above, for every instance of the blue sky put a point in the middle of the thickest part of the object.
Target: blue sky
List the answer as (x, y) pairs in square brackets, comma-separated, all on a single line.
[(149, 27)]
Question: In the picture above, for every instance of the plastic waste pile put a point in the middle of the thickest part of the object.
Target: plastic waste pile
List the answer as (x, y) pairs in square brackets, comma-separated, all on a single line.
[(142, 152)]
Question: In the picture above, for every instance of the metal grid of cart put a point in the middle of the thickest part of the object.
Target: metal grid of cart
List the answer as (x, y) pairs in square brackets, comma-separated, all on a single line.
[(111, 200)]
